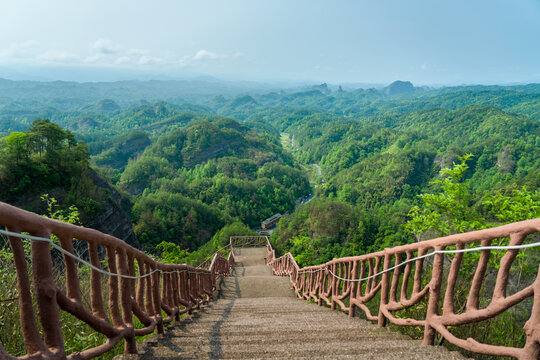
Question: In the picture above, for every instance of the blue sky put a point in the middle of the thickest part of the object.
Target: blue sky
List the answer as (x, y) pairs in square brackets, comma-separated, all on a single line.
[(378, 41)]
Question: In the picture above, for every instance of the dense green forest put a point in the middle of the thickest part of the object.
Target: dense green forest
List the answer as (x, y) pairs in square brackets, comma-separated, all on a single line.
[(43, 158), (194, 167), (192, 181)]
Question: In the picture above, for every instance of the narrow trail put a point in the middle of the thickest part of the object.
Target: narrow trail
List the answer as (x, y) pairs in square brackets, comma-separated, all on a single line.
[(257, 316)]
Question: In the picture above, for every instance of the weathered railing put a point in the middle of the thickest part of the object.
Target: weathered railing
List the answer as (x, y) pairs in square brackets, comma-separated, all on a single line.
[(395, 278), (223, 266), (138, 286), (247, 241)]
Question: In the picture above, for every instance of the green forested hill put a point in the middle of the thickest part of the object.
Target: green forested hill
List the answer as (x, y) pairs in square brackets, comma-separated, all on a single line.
[(192, 181), (193, 168), (378, 165)]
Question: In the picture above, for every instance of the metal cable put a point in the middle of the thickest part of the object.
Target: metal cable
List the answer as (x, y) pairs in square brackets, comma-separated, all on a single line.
[(509, 247), (105, 272)]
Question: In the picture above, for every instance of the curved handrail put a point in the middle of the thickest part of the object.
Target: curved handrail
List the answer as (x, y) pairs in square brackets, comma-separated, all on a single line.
[(206, 263), (140, 286), (388, 275), (247, 241)]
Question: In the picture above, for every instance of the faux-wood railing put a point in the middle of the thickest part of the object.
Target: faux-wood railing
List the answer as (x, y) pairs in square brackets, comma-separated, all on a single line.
[(386, 276), (248, 241), (138, 286)]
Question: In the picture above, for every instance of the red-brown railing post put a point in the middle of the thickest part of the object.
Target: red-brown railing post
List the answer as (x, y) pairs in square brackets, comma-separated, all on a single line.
[(333, 282), (156, 300), (125, 301), (434, 295), (195, 285), (353, 286), (531, 350), (46, 290), (126, 297), (113, 289), (385, 282), (98, 309), (31, 336)]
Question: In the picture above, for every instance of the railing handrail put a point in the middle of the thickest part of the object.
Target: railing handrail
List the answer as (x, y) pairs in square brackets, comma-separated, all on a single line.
[(450, 240), (247, 240), (340, 278), (211, 258), (172, 288)]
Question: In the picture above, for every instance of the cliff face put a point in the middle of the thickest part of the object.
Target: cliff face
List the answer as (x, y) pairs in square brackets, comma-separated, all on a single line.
[(399, 87), (112, 219)]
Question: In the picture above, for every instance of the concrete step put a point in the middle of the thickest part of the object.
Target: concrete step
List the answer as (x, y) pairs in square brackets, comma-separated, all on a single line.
[(255, 287), (250, 256), (405, 354), (256, 270), (258, 317), (323, 349), (271, 337)]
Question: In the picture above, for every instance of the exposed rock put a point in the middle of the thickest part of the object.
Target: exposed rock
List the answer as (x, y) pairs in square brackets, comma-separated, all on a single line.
[(112, 219), (323, 88), (108, 105), (84, 123), (399, 87), (505, 160)]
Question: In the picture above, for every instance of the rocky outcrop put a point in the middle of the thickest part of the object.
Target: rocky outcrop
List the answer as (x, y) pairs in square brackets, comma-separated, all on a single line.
[(107, 105), (399, 87), (323, 88), (113, 219)]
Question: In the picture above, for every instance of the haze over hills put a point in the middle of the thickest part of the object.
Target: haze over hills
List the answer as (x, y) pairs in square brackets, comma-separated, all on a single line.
[(377, 150), (336, 128)]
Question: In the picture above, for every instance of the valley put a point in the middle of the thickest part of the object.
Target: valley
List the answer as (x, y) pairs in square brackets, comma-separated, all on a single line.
[(187, 171)]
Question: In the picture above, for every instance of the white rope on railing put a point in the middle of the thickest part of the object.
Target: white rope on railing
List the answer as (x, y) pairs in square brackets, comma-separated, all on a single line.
[(509, 247), (105, 272)]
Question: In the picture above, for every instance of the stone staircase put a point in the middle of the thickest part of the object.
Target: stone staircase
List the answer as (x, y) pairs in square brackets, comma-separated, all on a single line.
[(257, 316)]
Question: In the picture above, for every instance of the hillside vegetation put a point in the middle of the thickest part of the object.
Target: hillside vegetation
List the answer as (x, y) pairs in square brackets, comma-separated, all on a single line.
[(194, 168), (192, 181)]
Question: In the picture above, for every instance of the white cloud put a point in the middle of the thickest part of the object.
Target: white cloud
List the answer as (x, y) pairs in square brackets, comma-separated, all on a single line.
[(105, 52), (106, 46), (19, 51), (122, 60), (202, 57), (208, 55), (57, 56), (94, 58), (151, 60), (137, 52)]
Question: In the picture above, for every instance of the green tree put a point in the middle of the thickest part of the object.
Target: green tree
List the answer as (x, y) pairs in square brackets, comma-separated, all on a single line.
[(70, 215), (458, 209), (171, 253), (221, 238), (522, 204), (16, 145), (305, 250), (47, 137), (449, 211)]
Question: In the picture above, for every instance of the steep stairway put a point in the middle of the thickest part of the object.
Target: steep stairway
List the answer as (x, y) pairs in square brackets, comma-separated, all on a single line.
[(257, 317)]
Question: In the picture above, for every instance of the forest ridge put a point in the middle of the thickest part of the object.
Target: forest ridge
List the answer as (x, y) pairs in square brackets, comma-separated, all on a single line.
[(191, 171)]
